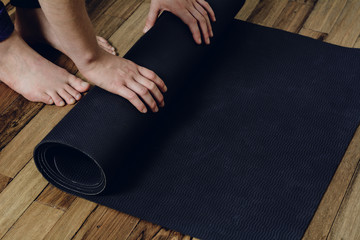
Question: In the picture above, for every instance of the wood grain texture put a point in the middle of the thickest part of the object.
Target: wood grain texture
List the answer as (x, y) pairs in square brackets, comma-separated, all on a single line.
[(4, 181), (144, 230), (131, 30), (347, 28), (19, 151), (267, 12), (123, 8), (55, 198), (71, 221), (357, 43), (15, 117), (293, 16), (321, 223), (247, 9), (313, 34), (348, 215), (18, 195), (325, 15), (106, 223), (36, 221), (7, 97)]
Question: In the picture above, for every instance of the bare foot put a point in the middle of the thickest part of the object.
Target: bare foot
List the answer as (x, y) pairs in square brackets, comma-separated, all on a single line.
[(36, 78), (33, 27)]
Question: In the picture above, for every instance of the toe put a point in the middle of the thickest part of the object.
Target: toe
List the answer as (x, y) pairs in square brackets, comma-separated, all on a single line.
[(66, 96), (73, 92), (46, 99), (56, 98), (104, 44), (78, 84)]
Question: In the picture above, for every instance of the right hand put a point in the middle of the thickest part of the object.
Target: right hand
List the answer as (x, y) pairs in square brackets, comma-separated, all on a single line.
[(127, 79)]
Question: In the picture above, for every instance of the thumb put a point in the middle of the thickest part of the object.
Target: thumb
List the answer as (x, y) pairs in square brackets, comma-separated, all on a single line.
[(152, 16)]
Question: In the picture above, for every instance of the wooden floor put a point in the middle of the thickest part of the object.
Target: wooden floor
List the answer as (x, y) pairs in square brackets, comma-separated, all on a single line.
[(31, 208)]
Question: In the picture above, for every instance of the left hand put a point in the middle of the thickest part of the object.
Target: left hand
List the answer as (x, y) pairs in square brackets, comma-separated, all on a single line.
[(194, 13)]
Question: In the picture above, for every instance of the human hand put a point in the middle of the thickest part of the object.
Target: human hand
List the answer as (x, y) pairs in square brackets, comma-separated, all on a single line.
[(127, 79), (194, 13)]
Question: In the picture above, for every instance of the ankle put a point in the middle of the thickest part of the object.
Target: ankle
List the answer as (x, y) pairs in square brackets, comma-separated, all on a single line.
[(86, 61)]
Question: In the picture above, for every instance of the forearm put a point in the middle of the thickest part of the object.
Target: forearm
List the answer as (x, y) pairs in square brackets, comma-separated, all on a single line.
[(70, 20)]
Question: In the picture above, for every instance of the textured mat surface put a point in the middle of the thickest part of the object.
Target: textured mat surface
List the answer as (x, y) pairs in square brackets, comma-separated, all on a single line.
[(253, 130)]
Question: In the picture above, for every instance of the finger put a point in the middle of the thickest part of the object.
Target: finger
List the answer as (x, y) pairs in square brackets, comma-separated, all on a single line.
[(192, 23), (153, 77), (152, 16), (153, 88), (208, 8), (202, 22), (132, 98), (144, 93), (203, 12)]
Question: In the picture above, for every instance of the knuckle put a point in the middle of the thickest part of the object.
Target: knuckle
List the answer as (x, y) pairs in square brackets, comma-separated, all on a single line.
[(193, 21), (152, 75), (143, 91), (153, 104), (152, 86), (131, 96)]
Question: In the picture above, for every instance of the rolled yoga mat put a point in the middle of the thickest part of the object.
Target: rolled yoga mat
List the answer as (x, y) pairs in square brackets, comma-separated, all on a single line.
[(253, 130)]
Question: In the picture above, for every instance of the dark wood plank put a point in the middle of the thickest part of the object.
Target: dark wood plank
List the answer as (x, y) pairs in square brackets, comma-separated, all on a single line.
[(7, 97), (144, 230), (106, 223), (56, 198), (4, 181), (294, 15), (15, 117)]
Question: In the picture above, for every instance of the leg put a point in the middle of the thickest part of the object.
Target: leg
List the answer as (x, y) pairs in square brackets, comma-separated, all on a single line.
[(34, 77), (73, 29), (33, 26), (25, 71)]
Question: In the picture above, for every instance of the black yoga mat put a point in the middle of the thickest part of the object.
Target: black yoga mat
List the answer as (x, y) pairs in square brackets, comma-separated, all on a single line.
[(253, 130)]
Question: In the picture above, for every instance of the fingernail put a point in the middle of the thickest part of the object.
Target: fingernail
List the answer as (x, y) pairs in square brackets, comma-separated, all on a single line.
[(199, 40), (165, 88), (144, 110), (62, 103), (156, 109), (84, 84), (146, 28), (78, 96), (211, 33), (208, 41), (162, 104)]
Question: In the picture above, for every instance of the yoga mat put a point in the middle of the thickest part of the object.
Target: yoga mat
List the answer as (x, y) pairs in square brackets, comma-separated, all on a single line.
[(253, 130)]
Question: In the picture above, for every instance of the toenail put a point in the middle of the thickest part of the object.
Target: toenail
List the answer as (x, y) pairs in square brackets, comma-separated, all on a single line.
[(51, 101), (72, 101), (78, 96), (62, 103), (84, 84)]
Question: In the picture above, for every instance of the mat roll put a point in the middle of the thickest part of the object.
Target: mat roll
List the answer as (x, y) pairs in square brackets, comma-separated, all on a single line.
[(253, 130)]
